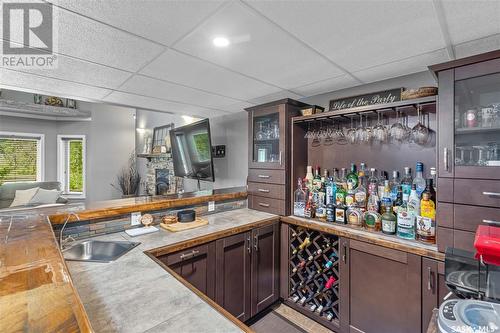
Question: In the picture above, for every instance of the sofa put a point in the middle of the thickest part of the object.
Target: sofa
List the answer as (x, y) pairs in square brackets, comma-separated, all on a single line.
[(8, 191)]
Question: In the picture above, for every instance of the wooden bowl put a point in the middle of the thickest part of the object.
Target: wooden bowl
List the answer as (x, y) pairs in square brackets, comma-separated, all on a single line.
[(169, 219)]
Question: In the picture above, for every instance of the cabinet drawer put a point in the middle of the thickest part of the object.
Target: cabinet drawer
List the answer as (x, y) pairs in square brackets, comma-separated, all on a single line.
[(464, 240), (267, 190), (467, 218), (445, 192), (444, 214), (188, 254), (477, 192), (268, 205), (266, 176), (444, 238)]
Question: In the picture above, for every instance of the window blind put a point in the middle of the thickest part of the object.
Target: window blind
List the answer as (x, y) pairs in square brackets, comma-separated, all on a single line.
[(18, 159)]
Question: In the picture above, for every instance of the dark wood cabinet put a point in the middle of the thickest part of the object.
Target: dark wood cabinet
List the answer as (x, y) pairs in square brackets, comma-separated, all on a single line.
[(234, 255), (382, 292), (196, 265), (468, 148), (265, 267), (434, 289), (269, 155)]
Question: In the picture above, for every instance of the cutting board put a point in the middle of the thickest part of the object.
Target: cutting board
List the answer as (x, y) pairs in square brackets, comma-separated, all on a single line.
[(174, 227)]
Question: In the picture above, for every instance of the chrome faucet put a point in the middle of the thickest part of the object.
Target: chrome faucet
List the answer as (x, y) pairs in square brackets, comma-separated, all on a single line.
[(62, 242)]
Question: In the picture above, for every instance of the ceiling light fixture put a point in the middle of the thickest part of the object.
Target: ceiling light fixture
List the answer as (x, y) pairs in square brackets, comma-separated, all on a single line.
[(221, 41)]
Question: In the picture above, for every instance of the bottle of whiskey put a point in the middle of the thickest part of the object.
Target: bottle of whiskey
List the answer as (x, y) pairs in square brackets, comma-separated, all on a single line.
[(362, 173), (405, 222), (399, 200), (341, 189), (360, 197), (388, 220), (385, 200), (426, 222), (300, 198)]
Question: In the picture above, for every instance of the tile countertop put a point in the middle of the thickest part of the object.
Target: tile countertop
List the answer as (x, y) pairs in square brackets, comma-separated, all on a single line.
[(135, 294)]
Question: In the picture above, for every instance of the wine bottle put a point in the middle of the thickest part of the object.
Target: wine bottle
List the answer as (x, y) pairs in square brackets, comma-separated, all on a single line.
[(299, 266), (330, 282), (302, 246), (295, 298)]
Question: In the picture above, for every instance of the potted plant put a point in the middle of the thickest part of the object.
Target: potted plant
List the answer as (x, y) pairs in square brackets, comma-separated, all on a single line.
[(128, 179)]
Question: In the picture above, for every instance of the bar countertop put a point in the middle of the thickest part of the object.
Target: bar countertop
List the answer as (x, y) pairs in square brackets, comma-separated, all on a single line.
[(37, 292)]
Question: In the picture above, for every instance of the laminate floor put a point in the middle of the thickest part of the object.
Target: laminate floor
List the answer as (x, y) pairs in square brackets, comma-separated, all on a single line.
[(283, 319)]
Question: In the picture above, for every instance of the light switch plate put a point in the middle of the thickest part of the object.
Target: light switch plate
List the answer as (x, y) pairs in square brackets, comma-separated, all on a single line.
[(135, 218), (211, 206)]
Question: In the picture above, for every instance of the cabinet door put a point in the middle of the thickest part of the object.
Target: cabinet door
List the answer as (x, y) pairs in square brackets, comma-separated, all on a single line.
[(445, 121), (433, 288), (233, 262), (477, 120), (265, 267), (196, 265), (383, 291), (267, 137)]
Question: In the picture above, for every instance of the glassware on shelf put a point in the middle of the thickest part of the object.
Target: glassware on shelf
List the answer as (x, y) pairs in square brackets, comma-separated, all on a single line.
[(419, 132), (459, 156), (276, 131), (260, 135), (379, 131), (397, 131), (481, 155), (351, 133)]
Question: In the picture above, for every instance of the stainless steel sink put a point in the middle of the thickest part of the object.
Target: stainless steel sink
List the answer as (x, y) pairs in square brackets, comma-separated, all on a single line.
[(98, 251)]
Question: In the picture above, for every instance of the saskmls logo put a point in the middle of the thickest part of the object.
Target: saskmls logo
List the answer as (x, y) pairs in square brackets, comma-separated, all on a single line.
[(28, 35)]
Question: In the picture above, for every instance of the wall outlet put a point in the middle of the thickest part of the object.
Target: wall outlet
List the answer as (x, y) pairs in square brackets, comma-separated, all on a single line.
[(135, 218), (211, 206)]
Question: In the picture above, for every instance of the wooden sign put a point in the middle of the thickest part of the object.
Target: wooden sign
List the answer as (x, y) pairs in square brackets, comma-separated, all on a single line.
[(380, 97)]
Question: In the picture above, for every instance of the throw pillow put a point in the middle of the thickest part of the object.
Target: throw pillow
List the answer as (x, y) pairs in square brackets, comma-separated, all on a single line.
[(43, 197), (23, 197)]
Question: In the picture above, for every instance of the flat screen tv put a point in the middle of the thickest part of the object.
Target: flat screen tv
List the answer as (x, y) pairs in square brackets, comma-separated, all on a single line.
[(192, 151)]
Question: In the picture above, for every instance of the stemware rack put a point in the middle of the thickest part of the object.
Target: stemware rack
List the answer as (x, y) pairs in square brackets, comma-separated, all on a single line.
[(406, 106), (310, 269)]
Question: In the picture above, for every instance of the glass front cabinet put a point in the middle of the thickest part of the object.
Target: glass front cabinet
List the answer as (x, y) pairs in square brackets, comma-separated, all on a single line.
[(267, 137), (469, 121)]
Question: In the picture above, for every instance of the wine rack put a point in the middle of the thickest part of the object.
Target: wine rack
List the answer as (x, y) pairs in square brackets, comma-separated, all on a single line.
[(314, 275)]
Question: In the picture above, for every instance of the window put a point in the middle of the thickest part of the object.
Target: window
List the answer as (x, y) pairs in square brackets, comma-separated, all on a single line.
[(71, 164), (21, 157)]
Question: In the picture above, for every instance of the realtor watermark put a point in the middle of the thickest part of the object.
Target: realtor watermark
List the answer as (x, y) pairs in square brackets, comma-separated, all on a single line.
[(28, 35)]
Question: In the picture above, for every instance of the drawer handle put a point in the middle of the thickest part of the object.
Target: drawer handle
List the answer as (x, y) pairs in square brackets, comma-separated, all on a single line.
[(249, 247), (264, 176), (492, 194), (263, 204), (256, 242), (262, 190), (189, 255), (491, 222)]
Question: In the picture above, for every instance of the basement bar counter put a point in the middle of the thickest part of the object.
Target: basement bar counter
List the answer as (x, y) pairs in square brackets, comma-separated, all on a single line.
[(37, 293)]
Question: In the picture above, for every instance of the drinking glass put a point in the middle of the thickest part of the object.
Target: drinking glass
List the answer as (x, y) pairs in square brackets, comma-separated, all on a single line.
[(351, 133), (419, 132), (379, 132), (340, 136), (397, 131)]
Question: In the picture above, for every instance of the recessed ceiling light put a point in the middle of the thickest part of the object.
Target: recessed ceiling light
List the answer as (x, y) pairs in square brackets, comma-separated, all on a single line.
[(221, 41)]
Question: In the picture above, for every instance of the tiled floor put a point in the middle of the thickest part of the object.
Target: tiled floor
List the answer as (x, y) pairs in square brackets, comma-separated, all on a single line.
[(283, 319)]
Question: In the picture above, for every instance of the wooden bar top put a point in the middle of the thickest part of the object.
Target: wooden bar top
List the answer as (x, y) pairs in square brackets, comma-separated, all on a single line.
[(361, 234), (36, 291), (110, 208)]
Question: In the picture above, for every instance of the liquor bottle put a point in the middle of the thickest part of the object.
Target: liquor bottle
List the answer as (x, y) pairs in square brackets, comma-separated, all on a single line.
[(394, 184), (386, 197), (354, 216), (321, 306), (381, 184), (329, 316), (352, 178), (295, 298), (405, 223), (330, 212), (331, 188), (360, 197), (299, 203), (399, 200), (341, 189), (341, 213), (419, 180), (321, 207), (388, 220), (302, 245), (362, 172), (316, 182), (372, 182), (309, 209), (350, 196), (426, 222), (407, 181), (433, 174), (309, 178)]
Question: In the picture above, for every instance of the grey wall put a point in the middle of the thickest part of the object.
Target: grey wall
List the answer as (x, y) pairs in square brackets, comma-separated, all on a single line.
[(110, 141), (230, 130)]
